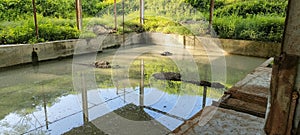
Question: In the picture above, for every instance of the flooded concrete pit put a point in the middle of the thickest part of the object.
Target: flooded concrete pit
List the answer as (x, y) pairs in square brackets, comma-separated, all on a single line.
[(241, 110), (50, 100)]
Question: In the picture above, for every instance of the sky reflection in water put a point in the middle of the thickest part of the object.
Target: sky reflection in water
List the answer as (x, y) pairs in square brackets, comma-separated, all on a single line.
[(23, 95)]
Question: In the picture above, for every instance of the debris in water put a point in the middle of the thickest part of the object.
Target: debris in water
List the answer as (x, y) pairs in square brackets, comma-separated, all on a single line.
[(172, 76), (166, 53), (102, 64)]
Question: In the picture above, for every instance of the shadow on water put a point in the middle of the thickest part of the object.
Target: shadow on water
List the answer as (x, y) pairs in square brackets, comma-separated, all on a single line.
[(40, 99)]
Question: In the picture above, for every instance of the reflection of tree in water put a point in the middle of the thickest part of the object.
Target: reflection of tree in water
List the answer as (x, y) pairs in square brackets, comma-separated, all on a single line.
[(173, 87), (163, 64), (25, 99), (182, 88), (25, 123)]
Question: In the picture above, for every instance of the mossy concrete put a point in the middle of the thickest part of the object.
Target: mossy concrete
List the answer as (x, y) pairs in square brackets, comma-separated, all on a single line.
[(11, 55)]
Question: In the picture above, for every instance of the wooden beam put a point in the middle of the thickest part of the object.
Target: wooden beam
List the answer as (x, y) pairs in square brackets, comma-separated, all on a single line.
[(248, 97), (115, 13), (35, 20), (123, 22), (239, 109), (211, 14), (78, 15)]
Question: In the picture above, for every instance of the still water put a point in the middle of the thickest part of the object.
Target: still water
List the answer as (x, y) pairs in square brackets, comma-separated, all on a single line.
[(70, 96)]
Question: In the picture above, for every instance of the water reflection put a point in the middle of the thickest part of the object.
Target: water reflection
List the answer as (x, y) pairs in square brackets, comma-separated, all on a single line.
[(67, 112), (35, 60), (46, 103)]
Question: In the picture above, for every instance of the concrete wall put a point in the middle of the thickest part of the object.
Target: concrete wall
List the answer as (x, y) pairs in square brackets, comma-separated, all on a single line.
[(11, 55), (18, 54), (240, 47)]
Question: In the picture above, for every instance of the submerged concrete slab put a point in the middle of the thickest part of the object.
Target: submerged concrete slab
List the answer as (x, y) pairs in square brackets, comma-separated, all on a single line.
[(216, 121), (129, 120), (257, 82)]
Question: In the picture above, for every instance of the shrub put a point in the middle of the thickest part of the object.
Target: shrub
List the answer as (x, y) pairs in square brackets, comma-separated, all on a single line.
[(49, 30), (255, 7), (21, 9), (261, 28), (15, 9)]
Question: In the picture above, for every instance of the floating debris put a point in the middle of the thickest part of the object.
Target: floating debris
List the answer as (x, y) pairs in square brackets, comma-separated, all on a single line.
[(166, 53), (172, 76), (102, 64), (208, 84)]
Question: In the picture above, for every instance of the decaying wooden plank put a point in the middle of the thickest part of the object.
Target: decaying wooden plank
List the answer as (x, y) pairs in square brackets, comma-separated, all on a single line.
[(239, 109), (282, 85), (248, 97)]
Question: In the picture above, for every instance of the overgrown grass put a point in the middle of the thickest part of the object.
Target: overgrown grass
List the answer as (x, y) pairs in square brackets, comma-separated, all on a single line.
[(261, 20), (252, 8), (259, 28), (49, 30)]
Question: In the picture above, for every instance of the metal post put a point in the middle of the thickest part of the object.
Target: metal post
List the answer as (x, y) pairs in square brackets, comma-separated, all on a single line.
[(79, 15), (142, 84), (211, 12), (142, 12), (115, 12), (84, 101), (35, 20)]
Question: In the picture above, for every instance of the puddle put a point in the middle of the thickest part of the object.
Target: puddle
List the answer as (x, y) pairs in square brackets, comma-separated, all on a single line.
[(50, 100)]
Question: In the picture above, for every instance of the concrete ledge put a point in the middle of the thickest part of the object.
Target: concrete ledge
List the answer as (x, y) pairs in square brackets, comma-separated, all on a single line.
[(11, 55), (240, 47)]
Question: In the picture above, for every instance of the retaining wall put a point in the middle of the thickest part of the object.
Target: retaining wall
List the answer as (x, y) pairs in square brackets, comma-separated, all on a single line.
[(21, 53), (240, 47)]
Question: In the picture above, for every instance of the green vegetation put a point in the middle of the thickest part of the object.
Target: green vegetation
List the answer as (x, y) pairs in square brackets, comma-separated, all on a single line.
[(261, 20), (56, 20), (23, 31), (255, 7), (11, 10), (260, 28)]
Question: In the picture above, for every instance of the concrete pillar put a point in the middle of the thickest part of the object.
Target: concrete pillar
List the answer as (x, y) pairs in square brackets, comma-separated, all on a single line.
[(283, 118)]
